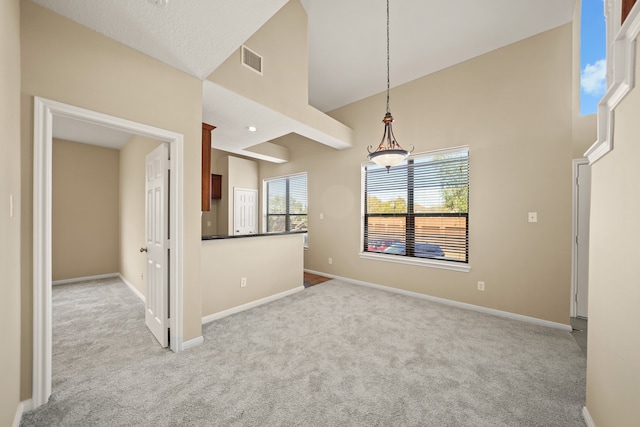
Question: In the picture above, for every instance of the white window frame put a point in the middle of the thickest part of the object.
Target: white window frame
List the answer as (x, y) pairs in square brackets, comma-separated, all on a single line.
[(265, 200), (621, 63), (424, 262)]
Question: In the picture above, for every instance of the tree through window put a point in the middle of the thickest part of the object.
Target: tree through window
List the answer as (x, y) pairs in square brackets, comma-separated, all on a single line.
[(419, 208), (287, 203)]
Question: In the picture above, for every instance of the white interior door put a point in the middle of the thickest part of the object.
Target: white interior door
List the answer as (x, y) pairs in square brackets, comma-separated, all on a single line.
[(582, 240), (157, 244), (245, 211)]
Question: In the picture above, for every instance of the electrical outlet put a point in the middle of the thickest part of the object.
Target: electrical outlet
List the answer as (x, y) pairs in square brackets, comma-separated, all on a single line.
[(243, 282), (141, 276), (533, 216), (330, 260), (481, 286)]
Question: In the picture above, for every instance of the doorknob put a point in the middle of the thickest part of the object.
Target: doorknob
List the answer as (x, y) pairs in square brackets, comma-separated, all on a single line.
[(143, 249)]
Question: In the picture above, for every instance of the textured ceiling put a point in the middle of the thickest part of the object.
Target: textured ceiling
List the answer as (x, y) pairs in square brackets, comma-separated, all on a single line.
[(194, 36), (347, 41)]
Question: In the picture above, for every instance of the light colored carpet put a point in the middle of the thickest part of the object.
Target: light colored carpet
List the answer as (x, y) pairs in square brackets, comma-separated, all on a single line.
[(335, 354)]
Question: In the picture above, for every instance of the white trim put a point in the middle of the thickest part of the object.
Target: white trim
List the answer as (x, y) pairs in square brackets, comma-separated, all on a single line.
[(264, 202), (98, 277), (458, 304), (575, 163), (42, 166), (23, 407), (84, 279), (132, 288), (423, 262), (219, 315), (194, 342), (44, 112), (621, 57), (587, 417), (176, 209)]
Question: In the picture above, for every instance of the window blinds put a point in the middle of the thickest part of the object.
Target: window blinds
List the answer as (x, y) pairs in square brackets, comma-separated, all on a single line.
[(420, 207), (287, 203)]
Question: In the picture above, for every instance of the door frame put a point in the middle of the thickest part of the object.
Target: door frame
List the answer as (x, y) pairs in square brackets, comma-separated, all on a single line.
[(44, 112), (575, 164)]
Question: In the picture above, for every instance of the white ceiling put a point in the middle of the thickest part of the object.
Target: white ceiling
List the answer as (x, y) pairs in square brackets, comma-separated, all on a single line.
[(347, 41), (79, 131)]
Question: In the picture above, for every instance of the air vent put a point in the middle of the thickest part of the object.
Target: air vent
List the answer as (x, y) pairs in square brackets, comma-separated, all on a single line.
[(252, 60)]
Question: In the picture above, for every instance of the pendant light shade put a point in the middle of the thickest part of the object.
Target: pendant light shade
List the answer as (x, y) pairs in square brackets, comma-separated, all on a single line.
[(389, 152)]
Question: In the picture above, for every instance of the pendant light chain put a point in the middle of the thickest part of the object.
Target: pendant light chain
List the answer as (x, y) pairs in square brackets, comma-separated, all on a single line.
[(388, 80), (389, 152)]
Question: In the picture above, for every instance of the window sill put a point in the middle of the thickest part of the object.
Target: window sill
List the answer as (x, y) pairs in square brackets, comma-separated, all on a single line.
[(431, 263)]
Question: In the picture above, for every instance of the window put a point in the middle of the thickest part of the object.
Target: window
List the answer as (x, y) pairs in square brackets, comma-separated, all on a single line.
[(621, 60), (419, 209), (286, 203), (593, 62)]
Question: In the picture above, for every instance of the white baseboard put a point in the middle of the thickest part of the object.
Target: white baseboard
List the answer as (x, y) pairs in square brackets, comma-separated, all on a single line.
[(587, 417), (194, 342), (84, 279), (238, 309), (133, 288), (458, 304), (23, 407)]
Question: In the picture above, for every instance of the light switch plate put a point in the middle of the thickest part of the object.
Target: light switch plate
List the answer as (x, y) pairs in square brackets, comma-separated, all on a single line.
[(533, 216)]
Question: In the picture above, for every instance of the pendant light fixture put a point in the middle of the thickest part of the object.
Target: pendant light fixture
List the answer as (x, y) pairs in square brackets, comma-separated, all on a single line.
[(389, 152)]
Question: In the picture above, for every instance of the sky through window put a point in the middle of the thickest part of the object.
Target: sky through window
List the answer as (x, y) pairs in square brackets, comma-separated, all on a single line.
[(593, 63)]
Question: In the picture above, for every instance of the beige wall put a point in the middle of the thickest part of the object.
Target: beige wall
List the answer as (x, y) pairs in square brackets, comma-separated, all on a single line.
[(283, 85), (66, 62), (236, 172), (585, 130), (513, 108), (613, 362), (268, 271), (132, 264), (84, 210), (282, 42), (222, 163), (210, 219), (10, 225)]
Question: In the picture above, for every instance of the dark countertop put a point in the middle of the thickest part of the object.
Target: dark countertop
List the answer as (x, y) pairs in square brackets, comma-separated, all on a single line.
[(222, 237)]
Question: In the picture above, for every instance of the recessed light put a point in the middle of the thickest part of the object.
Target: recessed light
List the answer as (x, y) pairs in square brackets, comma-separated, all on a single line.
[(252, 128), (159, 3)]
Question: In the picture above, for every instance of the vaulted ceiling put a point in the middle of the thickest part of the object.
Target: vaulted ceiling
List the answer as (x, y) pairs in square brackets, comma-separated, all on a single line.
[(347, 38)]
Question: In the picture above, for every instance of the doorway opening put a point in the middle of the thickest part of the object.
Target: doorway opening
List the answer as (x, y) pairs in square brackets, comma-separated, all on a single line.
[(580, 249), (44, 112)]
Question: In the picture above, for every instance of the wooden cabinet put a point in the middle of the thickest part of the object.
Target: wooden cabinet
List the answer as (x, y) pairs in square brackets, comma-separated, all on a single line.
[(216, 187), (627, 5), (206, 166)]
